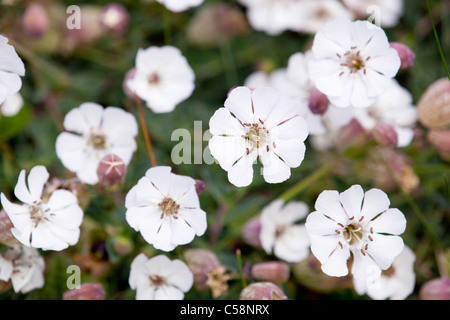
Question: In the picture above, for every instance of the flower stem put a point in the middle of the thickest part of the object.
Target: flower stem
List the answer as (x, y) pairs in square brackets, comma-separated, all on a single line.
[(148, 141), (437, 39), (308, 181), (241, 268)]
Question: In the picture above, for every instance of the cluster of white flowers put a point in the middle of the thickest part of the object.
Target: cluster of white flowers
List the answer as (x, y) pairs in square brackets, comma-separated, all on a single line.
[(348, 74)]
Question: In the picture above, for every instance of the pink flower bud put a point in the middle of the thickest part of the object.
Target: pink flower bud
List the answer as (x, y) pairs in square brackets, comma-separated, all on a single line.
[(262, 291), (199, 186), (385, 134), (251, 231), (35, 20), (436, 289), (272, 271), (440, 139), (87, 291), (318, 102), (115, 18), (406, 55), (201, 262), (111, 170), (350, 135), (434, 105)]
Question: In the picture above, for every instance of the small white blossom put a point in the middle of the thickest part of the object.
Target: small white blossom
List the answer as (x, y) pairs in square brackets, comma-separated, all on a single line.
[(12, 105), (358, 223), (395, 108), (395, 283), (160, 278), (257, 124), (352, 63), (274, 16), (94, 133), (11, 68), (163, 78), (279, 233), (165, 208), (24, 267), (180, 5), (51, 224)]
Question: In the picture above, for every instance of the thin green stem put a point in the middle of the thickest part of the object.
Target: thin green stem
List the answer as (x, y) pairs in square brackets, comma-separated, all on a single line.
[(437, 39), (308, 181), (241, 268)]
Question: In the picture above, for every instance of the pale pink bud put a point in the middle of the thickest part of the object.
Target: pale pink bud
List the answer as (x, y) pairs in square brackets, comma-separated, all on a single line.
[(201, 262), (406, 55), (272, 271), (318, 102), (262, 291), (87, 291), (111, 170), (436, 289), (350, 135), (35, 20), (385, 134), (115, 18), (440, 139), (251, 232), (434, 105), (199, 186)]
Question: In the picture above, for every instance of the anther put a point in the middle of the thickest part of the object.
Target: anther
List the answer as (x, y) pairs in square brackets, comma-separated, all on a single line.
[(361, 219)]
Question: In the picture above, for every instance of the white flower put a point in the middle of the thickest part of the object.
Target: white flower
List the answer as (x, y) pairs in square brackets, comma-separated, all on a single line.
[(11, 68), (97, 132), (352, 63), (279, 234), (274, 16), (12, 105), (24, 267), (356, 222), (180, 5), (318, 12), (259, 123), (385, 12), (395, 283), (49, 225), (165, 208), (163, 78), (160, 278), (395, 108)]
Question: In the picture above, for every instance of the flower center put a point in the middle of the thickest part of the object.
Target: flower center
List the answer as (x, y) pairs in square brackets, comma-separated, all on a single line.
[(355, 235), (257, 136), (37, 213), (390, 272), (157, 281), (169, 207), (98, 141), (153, 79), (353, 60), (351, 233)]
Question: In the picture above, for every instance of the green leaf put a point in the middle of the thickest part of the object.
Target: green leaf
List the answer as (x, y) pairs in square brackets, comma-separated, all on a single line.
[(12, 126)]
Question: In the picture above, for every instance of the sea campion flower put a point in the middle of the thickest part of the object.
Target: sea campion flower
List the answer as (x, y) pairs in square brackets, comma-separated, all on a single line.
[(395, 283), (358, 223), (257, 124), (279, 233), (180, 5), (165, 208), (352, 63), (51, 224), (163, 78), (159, 278), (24, 267), (94, 133), (11, 69)]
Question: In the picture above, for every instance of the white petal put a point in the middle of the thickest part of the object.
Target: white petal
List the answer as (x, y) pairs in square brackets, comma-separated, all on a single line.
[(404, 135), (239, 103), (117, 122), (351, 200), (364, 267), (317, 224), (328, 204), (227, 150), (384, 249), (241, 173), (37, 178), (392, 221), (285, 110), (264, 100), (10, 82), (168, 293), (180, 275), (160, 177), (360, 98), (387, 64), (70, 149), (182, 233), (331, 255), (42, 237), (84, 118), (164, 236), (375, 202), (275, 170), (291, 151), (21, 191), (64, 209), (223, 123), (143, 194), (180, 185), (196, 218)]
